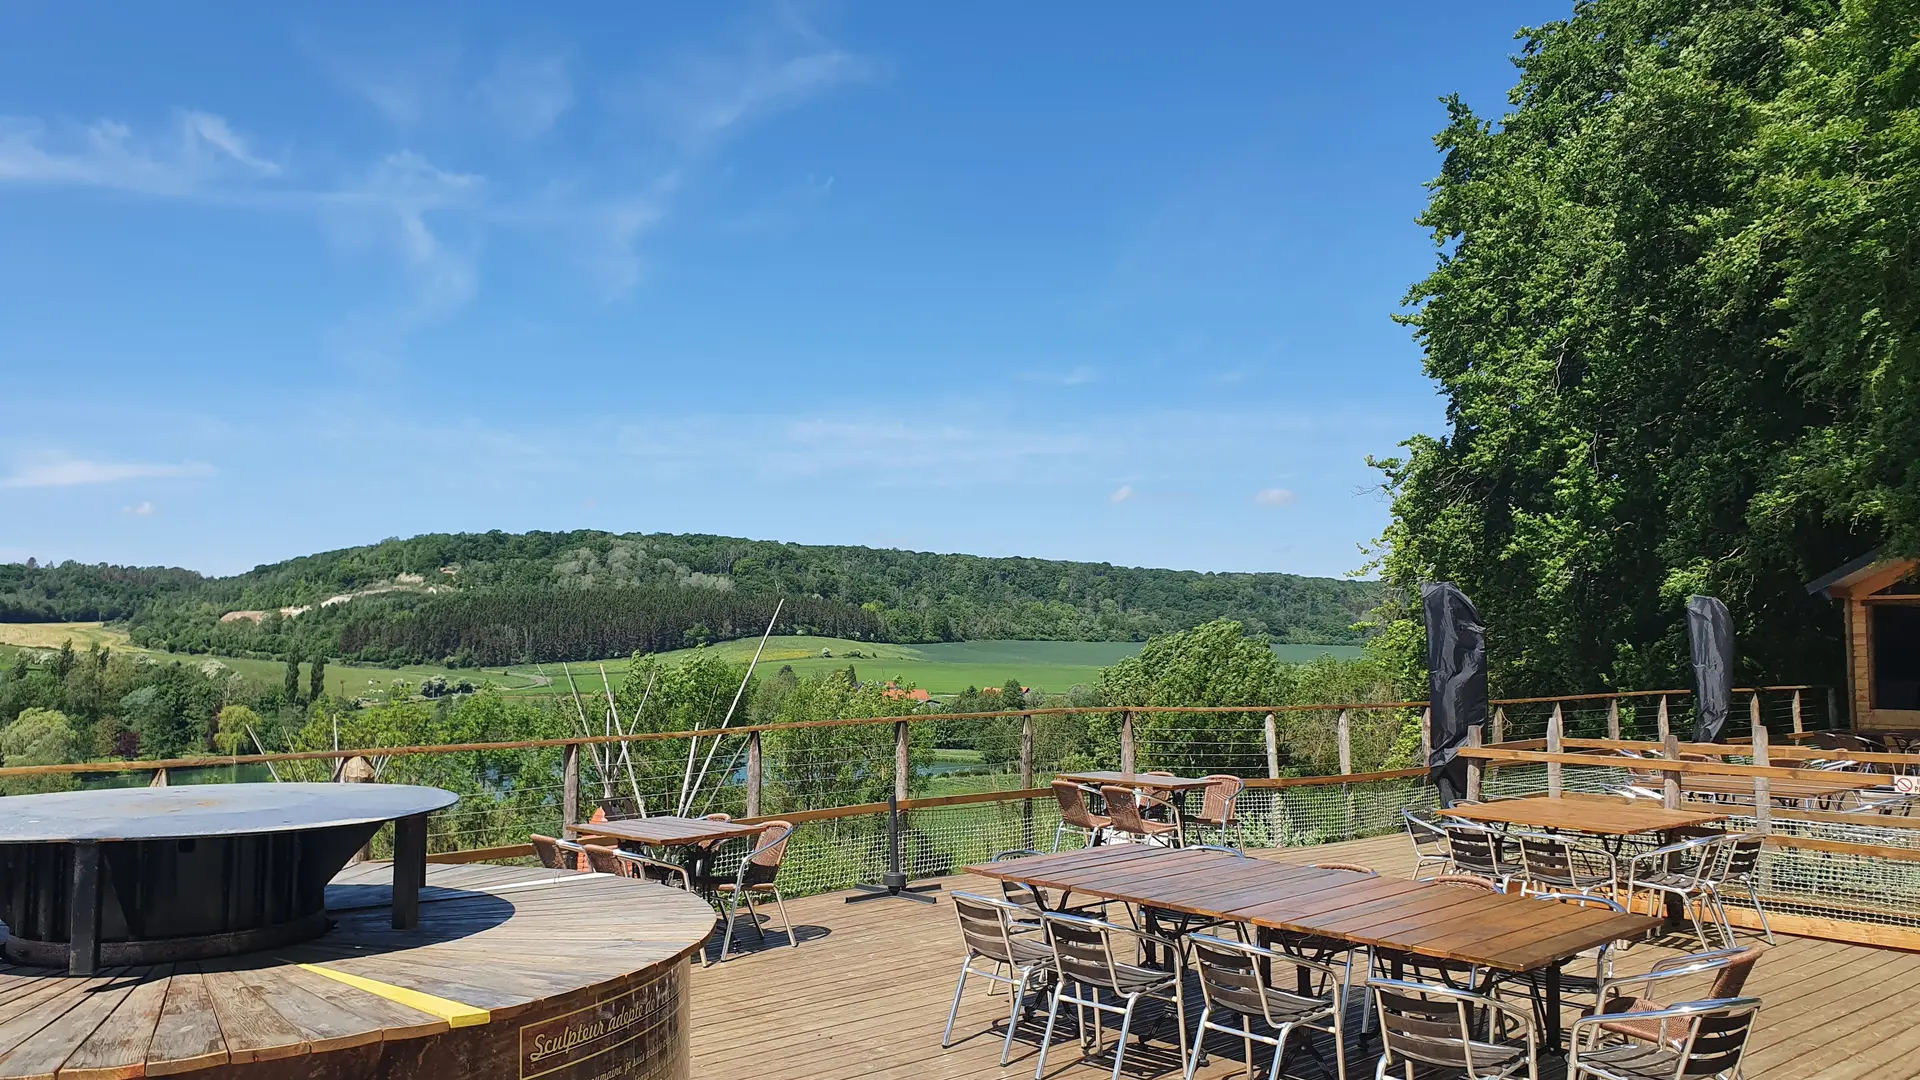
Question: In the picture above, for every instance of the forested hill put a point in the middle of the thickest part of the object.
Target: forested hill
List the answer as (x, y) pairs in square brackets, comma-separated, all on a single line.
[(494, 597)]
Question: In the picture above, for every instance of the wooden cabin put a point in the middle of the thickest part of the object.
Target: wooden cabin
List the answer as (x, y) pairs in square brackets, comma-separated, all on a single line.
[(1880, 598)]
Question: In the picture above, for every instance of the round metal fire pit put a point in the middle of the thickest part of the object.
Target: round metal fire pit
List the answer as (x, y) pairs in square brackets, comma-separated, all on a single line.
[(156, 875)]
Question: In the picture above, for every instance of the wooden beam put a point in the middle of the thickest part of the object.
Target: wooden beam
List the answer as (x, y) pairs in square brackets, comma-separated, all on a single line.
[(1873, 579)]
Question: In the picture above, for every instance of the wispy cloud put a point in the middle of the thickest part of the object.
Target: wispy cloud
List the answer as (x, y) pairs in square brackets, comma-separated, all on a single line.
[(1121, 494), (1274, 496), (526, 95), (144, 509), (74, 472), (191, 155)]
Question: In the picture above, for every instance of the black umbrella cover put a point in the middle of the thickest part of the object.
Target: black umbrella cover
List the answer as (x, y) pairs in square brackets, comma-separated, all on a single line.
[(1457, 682), (1710, 633)]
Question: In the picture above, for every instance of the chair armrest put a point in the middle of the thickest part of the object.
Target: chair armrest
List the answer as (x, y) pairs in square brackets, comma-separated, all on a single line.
[(1674, 848), (686, 880)]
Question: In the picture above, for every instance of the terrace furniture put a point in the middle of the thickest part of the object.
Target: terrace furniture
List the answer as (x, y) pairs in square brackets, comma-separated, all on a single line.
[(1219, 808), (1074, 813), (1555, 864), (1429, 842), (1482, 852), (1681, 873), (1238, 985), (1124, 817), (758, 873), (1033, 900), (1433, 922), (1089, 974), (697, 837), (1821, 792), (606, 860), (1595, 815), (1157, 788), (1445, 971), (992, 930), (1740, 856), (1353, 867), (1602, 955), (1709, 1039), (1730, 968), (551, 855), (1434, 1025), (620, 808)]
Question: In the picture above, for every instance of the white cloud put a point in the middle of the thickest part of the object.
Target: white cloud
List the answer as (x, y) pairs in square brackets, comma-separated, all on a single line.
[(702, 97), (526, 95), (74, 472), (196, 154), (144, 509), (1274, 496), (1121, 494)]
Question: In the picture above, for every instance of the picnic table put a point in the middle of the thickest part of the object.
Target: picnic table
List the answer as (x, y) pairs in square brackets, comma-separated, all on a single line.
[(1506, 933), (666, 830), (1599, 815), (1793, 789), (1174, 788)]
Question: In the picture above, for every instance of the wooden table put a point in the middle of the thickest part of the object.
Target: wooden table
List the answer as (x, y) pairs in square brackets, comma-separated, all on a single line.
[(666, 831), (1506, 933), (1174, 787), (512, 972), (1598, 815), (1792, 789)]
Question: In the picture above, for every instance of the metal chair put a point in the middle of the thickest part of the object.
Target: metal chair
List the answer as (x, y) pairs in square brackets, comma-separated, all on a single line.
[(1705, 1039), (1393, 964), (1434, 1025), (1429, 843), (989, 929), (1555, 864), (551, 855), (1572, 983), (1123, 816), (1679, 870), (1741, 856), (1074, 813), (1219, 808), (606, 860), (1730, 969), (1086, 966), (1239, 981), (1481, 851), (620, 808), (759, 872), (1032, 899)]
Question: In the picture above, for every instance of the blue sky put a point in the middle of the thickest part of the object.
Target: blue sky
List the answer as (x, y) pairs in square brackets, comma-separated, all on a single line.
[(1073, 280)]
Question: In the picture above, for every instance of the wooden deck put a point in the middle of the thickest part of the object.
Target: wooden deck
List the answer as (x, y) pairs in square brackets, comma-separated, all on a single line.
[(867, 991)]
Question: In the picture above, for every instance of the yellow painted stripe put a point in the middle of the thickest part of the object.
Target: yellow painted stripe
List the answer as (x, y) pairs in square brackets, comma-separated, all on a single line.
[(455, 1013)]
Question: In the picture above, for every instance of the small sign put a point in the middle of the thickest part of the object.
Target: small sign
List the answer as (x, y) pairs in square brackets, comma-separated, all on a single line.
[(1907, 785), (629, 1036)]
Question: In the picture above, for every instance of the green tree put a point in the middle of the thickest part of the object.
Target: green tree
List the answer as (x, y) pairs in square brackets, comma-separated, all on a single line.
[(231, 726), (317, 677), (37, 737), (1676, 323), (290, 683), (1214, 664)]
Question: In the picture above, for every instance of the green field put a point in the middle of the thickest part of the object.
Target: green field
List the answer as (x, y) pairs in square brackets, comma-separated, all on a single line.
[(942, 669)]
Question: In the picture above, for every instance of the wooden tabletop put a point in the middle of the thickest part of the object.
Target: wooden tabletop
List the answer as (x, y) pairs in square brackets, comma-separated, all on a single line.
[(1157, 781), (1603, 816), (666, 830), (1507, 932), (1824, 787), (494, 942)]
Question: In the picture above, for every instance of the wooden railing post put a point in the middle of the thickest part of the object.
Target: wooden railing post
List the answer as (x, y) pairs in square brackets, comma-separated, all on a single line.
[(1762, 787), (570, 786), (1344, 730), (1754, 723), (756, 774), (1474, 765), (1669, 781), (1126, 741), (1664, 732), (1426, 736), (1799, 725), (359, 770), (1613, 718), (1026, 779), (1500, 724), (902, 765), (1273, 748), (1556, 743)]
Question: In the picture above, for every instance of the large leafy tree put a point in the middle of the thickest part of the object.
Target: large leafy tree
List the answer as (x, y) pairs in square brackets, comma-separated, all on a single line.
[(1674, 320)]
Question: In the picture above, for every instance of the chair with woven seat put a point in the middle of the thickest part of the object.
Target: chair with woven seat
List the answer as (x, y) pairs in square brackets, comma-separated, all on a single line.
[(759, 873), (1074, 813), (1219, 808), (1703, 1039), (619, 808), (989, 930), (1481, 851), (551, 855), (1729, 968), (1088, 972), (1680, 870), (1124, 817), (606, 860), (1434, 1025), (1555, 864), (1239, 986), (1429, 842)]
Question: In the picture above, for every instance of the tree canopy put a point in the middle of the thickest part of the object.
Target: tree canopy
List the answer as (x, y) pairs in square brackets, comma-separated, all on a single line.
[(1676, 323)]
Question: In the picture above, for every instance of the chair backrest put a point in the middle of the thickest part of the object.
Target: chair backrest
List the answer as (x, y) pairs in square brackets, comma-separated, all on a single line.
[(1719, 1037), (1740, 854), (1732, 979), (1218, 799), (763, 865), (1083, 949), (1428, 837), (551, 855), (1466, 881), (619, 808), (604, 860), (1555, 861), (1219, 849), (1431, 1024), (1355, 867), (1073, 804), (1123, 809), (1246, 979), (1475, 849), (599, 815), (709, 845), (1019, 892), (986, 926)]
